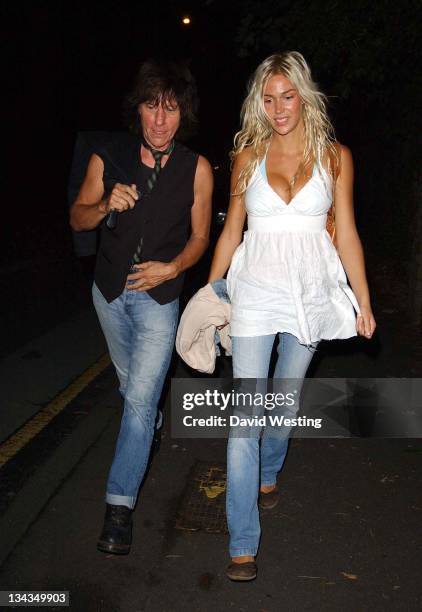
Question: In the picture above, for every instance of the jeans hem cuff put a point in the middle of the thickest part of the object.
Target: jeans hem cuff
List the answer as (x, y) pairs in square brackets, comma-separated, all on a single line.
[(120, 500), (243, 553)]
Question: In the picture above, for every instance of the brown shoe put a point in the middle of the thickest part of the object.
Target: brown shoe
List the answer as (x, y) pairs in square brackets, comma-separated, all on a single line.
[(269, 500), (242, 572)]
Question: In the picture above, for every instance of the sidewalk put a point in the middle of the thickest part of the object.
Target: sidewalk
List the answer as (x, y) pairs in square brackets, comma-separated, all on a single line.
[(346, 534)]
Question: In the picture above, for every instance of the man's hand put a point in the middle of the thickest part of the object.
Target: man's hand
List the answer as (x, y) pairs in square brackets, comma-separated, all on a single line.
[(151, 274), (120, 199)]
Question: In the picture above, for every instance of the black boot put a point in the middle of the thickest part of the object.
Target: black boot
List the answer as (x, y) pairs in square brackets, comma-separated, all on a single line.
[(116, 536)]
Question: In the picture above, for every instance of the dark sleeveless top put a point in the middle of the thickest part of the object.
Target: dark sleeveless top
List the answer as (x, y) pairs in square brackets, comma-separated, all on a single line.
[(161, 217)]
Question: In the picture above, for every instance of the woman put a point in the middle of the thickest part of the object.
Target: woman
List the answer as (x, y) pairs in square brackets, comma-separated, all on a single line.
[(286, 279)]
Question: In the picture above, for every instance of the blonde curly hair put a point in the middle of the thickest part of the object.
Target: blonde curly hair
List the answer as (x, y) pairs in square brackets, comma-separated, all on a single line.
[(256, 129)]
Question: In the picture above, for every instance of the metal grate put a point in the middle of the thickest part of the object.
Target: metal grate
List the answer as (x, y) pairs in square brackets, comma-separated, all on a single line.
[(202, 506)]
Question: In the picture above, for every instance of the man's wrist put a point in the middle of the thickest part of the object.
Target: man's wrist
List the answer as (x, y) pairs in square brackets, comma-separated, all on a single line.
[(175, 268), (102, 207)]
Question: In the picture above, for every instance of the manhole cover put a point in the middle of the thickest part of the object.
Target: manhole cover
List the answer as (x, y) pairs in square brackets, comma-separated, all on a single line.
[(202, 506)]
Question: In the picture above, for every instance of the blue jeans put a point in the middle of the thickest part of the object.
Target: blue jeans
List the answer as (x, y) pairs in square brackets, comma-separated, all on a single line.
[(249, 462), (140, 336)]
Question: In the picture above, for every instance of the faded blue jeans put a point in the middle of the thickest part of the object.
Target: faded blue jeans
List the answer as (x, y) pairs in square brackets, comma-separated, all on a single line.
[(140, 336), (252, 461)]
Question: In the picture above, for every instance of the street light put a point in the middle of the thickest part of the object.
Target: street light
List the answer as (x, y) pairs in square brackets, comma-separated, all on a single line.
[(186, 20)]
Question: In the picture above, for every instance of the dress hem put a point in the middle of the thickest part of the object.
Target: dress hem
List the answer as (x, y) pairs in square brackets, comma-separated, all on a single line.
[(299, 339)]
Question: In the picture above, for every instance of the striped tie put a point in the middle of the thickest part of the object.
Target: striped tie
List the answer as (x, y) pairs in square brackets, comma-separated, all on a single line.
[(152, 180)]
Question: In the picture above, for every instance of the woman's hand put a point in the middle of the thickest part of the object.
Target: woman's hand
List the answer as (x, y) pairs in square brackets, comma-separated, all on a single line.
[(365, 322), (151, 274)]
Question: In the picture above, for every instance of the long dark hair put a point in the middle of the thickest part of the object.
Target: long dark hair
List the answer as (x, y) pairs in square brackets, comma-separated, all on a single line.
[(166, 80)]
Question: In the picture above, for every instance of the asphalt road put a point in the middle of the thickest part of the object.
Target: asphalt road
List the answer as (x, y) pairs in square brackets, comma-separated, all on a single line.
[(346, 534)]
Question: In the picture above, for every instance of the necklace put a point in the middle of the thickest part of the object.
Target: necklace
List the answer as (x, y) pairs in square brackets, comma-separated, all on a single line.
[(299, 173)]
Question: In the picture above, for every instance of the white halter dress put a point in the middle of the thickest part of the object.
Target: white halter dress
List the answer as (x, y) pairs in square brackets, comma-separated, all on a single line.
[(286, 275)]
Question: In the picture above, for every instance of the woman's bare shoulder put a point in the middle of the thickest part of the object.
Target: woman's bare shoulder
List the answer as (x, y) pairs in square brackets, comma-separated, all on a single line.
[(343, 152), (345, 160), (337, 157), (243, 157)]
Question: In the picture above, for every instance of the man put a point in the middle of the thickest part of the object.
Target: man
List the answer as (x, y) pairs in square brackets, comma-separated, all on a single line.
[(152, 197)]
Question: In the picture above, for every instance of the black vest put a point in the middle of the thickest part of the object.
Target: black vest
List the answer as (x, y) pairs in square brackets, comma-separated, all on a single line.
[(161, 217)]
